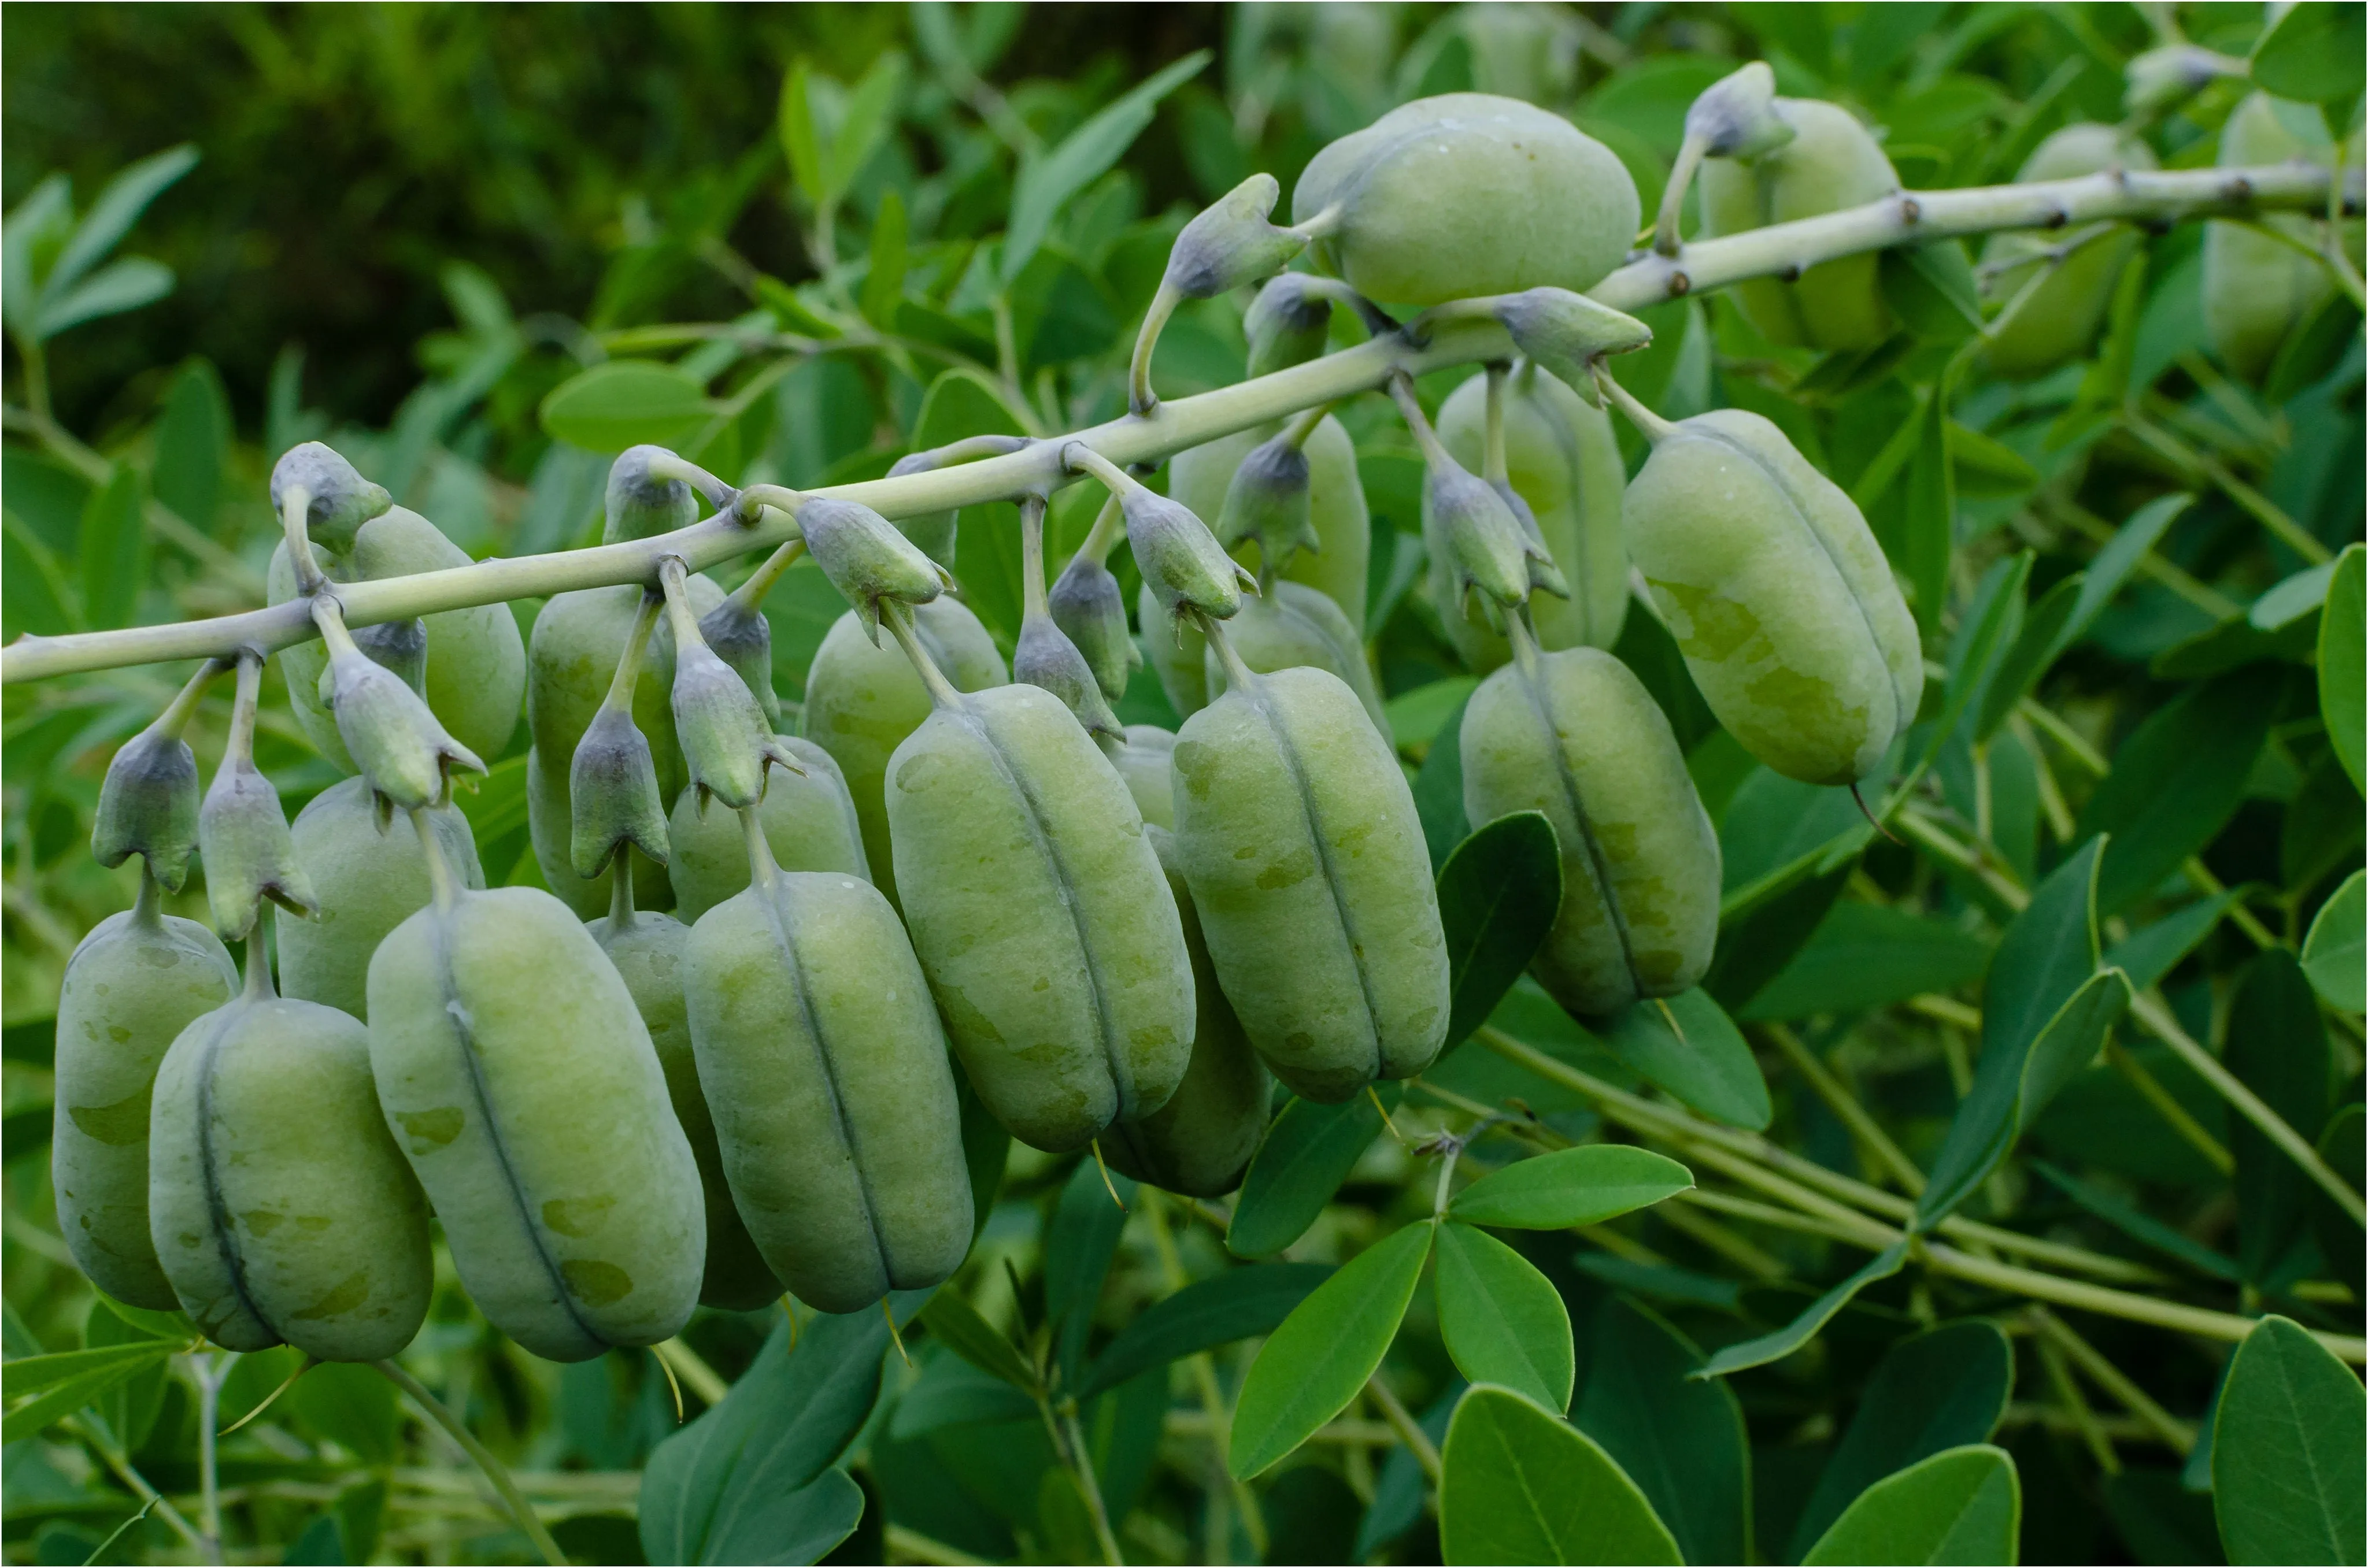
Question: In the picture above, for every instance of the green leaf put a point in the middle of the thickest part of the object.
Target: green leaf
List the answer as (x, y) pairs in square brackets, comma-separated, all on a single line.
[(801, 143), (1688, 1046), (2342, 654), (1775, 1346), (2343, 1145), (119, 206), (1503, 1321), (864, 122), (1863, 956), (1438, 790), (1984, 637), (1497, 896), (1756, 944), (2332, 955), (114, 549), (2277, 1046), (1240, 1303), (1776, 832), (625, 403), (1310, 1369), (39, 225), (1522, 1485), (2287, 1471), (60, 1385), (1931, 511), (1306, 1153), (1078, 1252), (2036, 646), (33, 586), (2141, 1227), (2178, 779), (192, 441), (2148, 954), (883, 285), (1680, 1438), (1942, 1389), (1415, 716), (1046, 183), (955, 1323), (2312, 54), (119, 285), (1584, 1186), (1961, 1505)]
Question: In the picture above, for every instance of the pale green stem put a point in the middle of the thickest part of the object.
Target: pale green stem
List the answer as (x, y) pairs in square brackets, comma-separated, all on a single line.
[(496, 1471)]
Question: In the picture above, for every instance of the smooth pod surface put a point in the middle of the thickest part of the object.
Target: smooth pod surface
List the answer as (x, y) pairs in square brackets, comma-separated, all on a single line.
[(1040, 915), (2257, 287), (281, 1207), (1581, 740), (1293, 625), (132, 985), (821, 1054), (1779, 596), (369, 878), (518, 1080), (1147, 760), (1336, 503), (2060, 320), (1298, 835), (1831, 162), (1175, 650), (808, 819), (862, 700)]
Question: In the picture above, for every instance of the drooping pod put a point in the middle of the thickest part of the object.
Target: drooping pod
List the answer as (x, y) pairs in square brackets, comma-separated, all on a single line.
[(1038, 912), (1576, 736), (1298, 836), (243, 833), (132, 986), (822, 1060), (280, 1209), (809, 819), (1295, 625), (518, 1080), (2257, 287), (1830, 163), (1199, 476), (2070, 275), (1201, 1139), (369, 876)]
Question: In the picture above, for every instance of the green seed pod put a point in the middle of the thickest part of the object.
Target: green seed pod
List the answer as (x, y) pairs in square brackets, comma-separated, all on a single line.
[(1288, 324), (1466, 194), (397, 645), (2061, 318), (862, 703), (1181, 560), (1089, 607), (520, 1082), (404, 752), (1336, 563), (1046, 659), (1563, 460), (1568, 334), (1039, 914), (1580, 739), (1230, 243), (741, 636), (148, 804), (1294, 626), (132, 985), (809, 820), (1201, 1139), (613, 790), (2256, 288), (1176, 648), (1145, 759), (340, 499), (648, 950), (1298, 834), (1830, 163), (2162, 78), (369, 876), (249, 855), (866, 558), (835, 1108), (638, 506), (1779, 598), (1267, 505), (1478, 541), (280, 1209)]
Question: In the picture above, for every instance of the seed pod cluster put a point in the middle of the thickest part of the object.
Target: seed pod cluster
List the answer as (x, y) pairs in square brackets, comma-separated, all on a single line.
[(1830, 163)]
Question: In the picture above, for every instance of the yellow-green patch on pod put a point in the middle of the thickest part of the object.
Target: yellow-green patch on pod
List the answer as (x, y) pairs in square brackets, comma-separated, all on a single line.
[(281, 1207), (520, 1082), (1778, 595), (369, 876), (1175, 651), (1298, 835), (2258, 287), (1563, 459), (1293, 625), (808, 819), (1466, 194), (1831, 162), (862, 700), (1147, 760), (1577, 737), (1039, 914), (1197, 478), (1201, 1139), (2066, 309), (647, 949), (822, 1055), (132, 986)]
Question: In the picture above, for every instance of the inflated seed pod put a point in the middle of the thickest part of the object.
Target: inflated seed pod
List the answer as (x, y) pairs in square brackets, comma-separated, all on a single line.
[(862, 700), (809, 819), (1778, 595), (1298, 835), (2060, 319), (1293, 625), (280, 1209), (822, 1056), (2257, 289), (1039, 914), (1830, 163), (1199, 477), (1147, 760), (1175, 650), (648, 950), (1575, 735), (1466, 194), (1201, 1139), (518, 1080), (132, 986), (369, 877)]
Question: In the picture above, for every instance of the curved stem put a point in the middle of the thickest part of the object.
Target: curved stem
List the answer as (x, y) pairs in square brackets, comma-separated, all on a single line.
[(1032, 555), (620, 889), (1649, 424), (1140, 398), (1109, 527), (294, 503), (494, 1471), (762, 867), (1418, 423), (444, 888), (629, 662), (1492, 460), (1666, 238), (1079, 458), (897, 617), (749, 596)]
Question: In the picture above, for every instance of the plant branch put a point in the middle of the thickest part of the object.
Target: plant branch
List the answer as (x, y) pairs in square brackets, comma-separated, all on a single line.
[(496, 1471)]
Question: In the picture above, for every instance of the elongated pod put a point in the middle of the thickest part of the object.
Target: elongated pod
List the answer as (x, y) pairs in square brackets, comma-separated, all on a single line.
[(2257, 287), (1293, 624), (1336, 501), (369, 876), (1147, 760), (1831, 162), (2071, 276), (809, 820)]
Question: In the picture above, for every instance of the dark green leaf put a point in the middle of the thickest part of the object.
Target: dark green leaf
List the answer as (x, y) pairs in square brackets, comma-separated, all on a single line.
[(1078, 1252), (1870, 955), (2177, 780), (2042, 638), (955, 1323), (1240, 1303), (2332, 955), (1931, 511), (1306, 1153), (192, 441), (2342, 652), (1963, 1505), (1439, 790), (1756, 944), (1522, 1485), (1679, 1438), (624, 402), (62, 1384), (1775, 1346), (1776, 832), (2341, 1144), (114, 549), (33, 586), (883, 285), (1497, 896), (2148, 954), (2277, 1045), (119, 207), (1503, 1321), (1571, 1186), (1688, 1046), (2287, 1462), (1046, 183), (2312, 54), (2143, 1227)]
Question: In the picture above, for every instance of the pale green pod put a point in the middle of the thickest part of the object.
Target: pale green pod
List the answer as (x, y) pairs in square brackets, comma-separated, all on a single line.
[(648, 952), (2257, 289), (1040, 916), (862, 700), (1466, 194), (1831, 162), (520, 1082), (1147, 761), (809, 819), (132, 985), (1175, 650), (369, 876), (821, 1052), (1563, 457), (1580, 739), (1307, 863), (1336, 500), (551, 826), (1295, 625), (1201, 1139), (2060, 320), (281, 1207), (1778, 595)]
